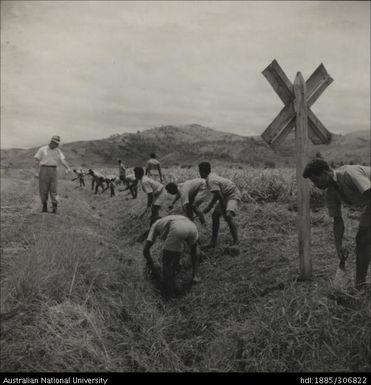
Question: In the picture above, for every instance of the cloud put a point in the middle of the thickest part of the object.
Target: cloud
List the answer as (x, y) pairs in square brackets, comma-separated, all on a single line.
[(90, 69)]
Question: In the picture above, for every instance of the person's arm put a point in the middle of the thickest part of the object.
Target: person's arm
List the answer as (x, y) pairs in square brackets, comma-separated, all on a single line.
[(37, 167), (177, 196), (65, 164), (188, 210), (195, 257), (216, 198), (199, 214), (338, 227), (147, 254), (159, 171), (149, 204)]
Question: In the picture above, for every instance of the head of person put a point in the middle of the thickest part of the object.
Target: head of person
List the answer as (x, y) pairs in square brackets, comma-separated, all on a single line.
[(204, 169), (319, 172), (119, 160), (171, 188), (90, 171), (54, 141), (138, 172), (152, 155), (74, 170)]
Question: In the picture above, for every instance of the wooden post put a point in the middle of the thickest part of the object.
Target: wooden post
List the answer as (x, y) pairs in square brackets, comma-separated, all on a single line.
[(301, 138)]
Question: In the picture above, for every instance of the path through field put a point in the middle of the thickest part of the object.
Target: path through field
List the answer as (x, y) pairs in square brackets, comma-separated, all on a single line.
[(74, 296)]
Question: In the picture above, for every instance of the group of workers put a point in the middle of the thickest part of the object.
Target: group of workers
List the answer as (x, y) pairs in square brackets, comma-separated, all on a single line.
[(348, 184)]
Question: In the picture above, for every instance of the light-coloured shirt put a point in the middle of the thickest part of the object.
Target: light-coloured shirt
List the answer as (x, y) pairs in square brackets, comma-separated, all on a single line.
[(190, 188), (150, 185), (130, 178), (152, 164), (162, 226), (49, 157), (225, 186), (122, 169), (98, 175), (352, 181)]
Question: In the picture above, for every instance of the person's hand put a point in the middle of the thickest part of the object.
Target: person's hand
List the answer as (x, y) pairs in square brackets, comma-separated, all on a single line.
[(344, 254), (196, 279), (36, 175), (68, 170)]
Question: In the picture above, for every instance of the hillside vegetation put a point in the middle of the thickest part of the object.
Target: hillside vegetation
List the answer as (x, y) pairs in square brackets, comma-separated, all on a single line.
[(188, 145)]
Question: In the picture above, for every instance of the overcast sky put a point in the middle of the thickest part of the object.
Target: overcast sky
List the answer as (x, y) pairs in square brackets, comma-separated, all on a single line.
[(86, 70)]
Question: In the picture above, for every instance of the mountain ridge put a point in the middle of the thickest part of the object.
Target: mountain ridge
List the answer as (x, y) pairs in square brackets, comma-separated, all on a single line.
[(186, 145)]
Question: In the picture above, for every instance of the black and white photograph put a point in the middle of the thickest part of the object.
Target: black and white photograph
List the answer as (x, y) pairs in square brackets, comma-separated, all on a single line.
[(185, 188)]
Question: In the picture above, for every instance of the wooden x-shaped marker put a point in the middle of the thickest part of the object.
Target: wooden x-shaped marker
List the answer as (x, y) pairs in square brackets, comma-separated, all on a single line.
[(281, 126)]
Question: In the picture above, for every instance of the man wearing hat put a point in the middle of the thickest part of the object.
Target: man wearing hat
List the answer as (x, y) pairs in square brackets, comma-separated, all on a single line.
[(349, 184), (48, 157)]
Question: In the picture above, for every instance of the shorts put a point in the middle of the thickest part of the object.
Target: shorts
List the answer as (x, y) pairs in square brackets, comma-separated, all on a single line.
[(160, 198), (180, 233), (232, 205)]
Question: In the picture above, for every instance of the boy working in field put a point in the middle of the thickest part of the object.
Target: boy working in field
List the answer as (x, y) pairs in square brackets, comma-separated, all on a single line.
[(191, 194), (98, 180), (350, 185), (111, 182), (80, 176), (175, 230), (122, 171), (156, 193), (153, 165), (131, 184), (227, 196)]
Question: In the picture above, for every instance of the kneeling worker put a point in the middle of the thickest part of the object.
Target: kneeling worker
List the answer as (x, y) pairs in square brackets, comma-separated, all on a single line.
[(176, 231)]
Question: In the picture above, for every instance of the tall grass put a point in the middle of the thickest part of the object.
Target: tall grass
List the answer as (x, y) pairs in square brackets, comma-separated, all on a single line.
[(75, 299)]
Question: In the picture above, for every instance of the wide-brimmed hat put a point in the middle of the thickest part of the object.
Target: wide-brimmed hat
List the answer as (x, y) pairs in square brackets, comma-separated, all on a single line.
[(56, 139)]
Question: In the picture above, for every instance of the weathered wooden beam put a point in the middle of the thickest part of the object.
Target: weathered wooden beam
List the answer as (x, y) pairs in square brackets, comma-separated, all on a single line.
[(317, 83), (279, 81), (301, 139), (318, 128), (279, 124)]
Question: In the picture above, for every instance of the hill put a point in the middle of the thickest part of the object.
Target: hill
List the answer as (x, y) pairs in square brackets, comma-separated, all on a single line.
[(187, 145)]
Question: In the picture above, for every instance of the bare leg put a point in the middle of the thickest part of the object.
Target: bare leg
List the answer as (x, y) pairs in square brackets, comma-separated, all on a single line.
[(232, 227), (362, 255)]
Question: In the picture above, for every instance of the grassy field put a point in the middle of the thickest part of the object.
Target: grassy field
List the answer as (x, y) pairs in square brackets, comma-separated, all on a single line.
[(74, 297)]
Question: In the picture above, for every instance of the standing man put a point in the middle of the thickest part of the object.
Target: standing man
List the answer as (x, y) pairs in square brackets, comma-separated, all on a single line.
[(349, 184), (122, 171), (226, 193), (47, 159), (191, 194), (175, 231), (153, 165)]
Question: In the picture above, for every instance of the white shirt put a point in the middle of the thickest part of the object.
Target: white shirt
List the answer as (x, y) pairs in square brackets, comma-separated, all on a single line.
[(151, 186), (225, 186), (49, 157)]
